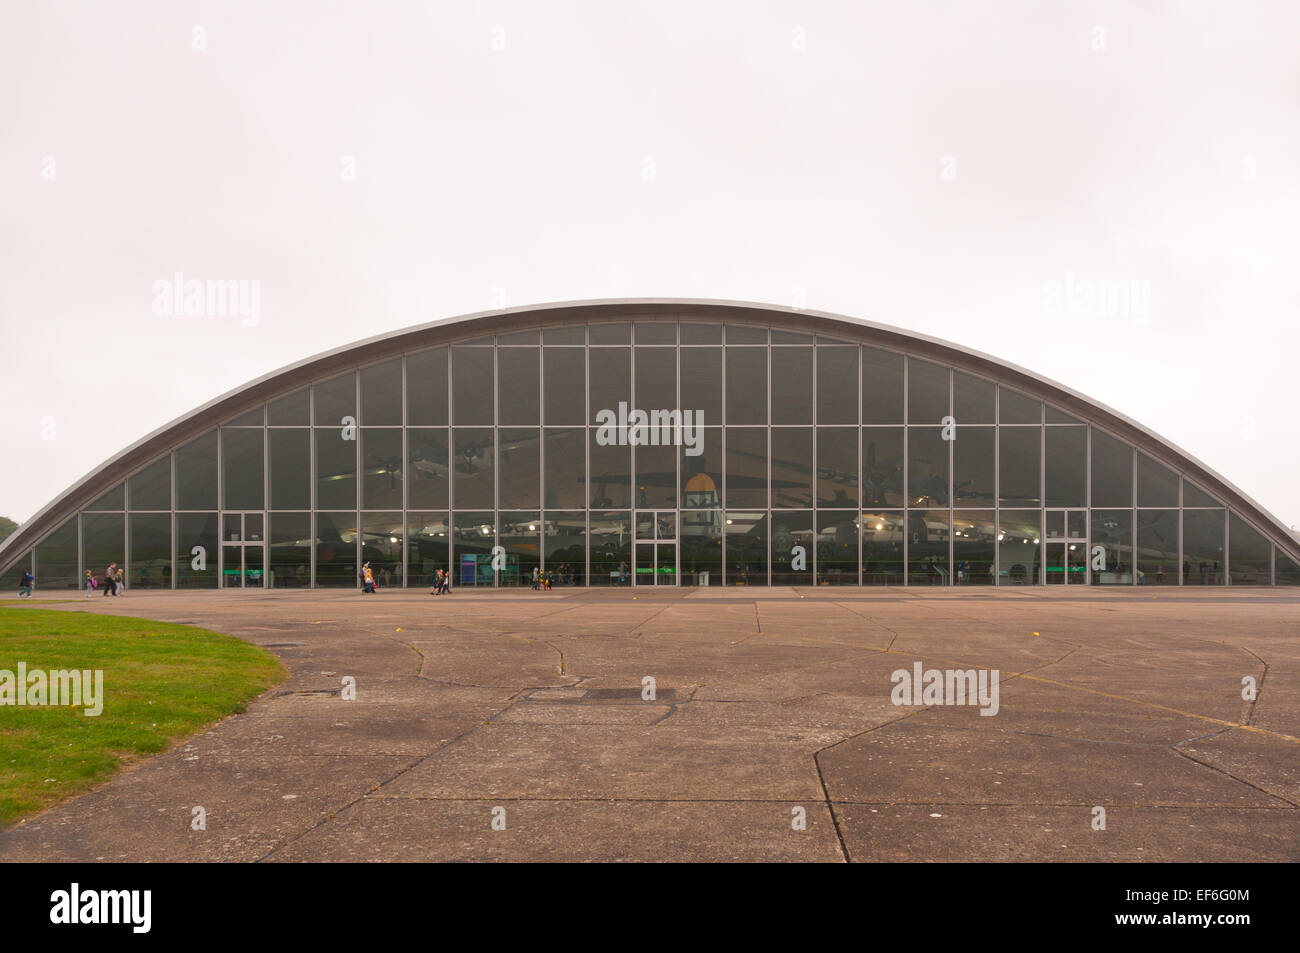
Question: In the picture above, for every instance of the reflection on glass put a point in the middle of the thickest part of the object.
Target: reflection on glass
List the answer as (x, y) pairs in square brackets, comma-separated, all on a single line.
[(746, 547), (1067, 466), (882, 547), (927, 548), (336, 550), (611, 474), (974, 535), (1248, 554), (335, 399), (381, 394), (1112, 471), (151, 488), (655, 378), (1157, 484), (1020, 547), (1019, 452), (381, 546), (151, 550), (426, 388), (1112, 530), (565, 370), (336, 469), (611, 548), (473, 463), (196, 551), (927, 392), (927, 466), (837, 467), (656, 476), (837, 547), (565, 545), (428, 542), (974, 466), (882, 387), (746, 385), (290, 468), (427, 468), (700, 550), (791, 467), (289, 555), (747, 466), (519, 467), (793, 547), (566, 469), (1203, 548), (472, 401), (473, 536), (1157, 546), (196, 474), (973, 399), (518, 383), (520, 535), (792, 385), (381, 468), (56, 559), (882, 466), (837, 385), (611, 379), (701, 475), (702, 382)]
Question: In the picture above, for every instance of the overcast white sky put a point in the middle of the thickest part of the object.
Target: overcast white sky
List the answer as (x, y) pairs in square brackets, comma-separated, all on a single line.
[(935, 166)]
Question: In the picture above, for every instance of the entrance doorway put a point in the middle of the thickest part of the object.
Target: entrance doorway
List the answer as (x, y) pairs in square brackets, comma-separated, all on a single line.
[(1065, 553), (654, 556), (243, 551)]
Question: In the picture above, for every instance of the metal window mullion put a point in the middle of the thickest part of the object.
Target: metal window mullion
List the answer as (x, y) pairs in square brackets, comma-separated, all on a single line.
[(172, 487), (812, 483), (496, 460), (406, 479), (997, 485), (771, 442), (907, 486), (857, 517), (952, 462)]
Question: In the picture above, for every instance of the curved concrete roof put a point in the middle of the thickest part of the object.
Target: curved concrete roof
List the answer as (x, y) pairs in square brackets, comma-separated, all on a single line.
[(378, 348)]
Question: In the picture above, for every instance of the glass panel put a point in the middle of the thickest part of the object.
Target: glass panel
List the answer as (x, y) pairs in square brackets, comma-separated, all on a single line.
[(747, 466), (1067, 466), (530, 336), (1203, 547), (1248, 557), (792, 467), (793, 545), (241, 464), (253, 527), (780, 336), (746, 385), (1019, 466), (472, 386), (882, 466), (656, 476), (292, 410), (666, 564), (566, 469), (927, 392), (1286, 570), (974, 466), (645, 525), (254, 566), (882, 387), (429, 477), (196, 475), (611, 549), (1157, 484), (701, 475), (13, 576), (336, 469), (472, 540), (1055, 524), (1157, 547), (837, 468), (1076, 564), (252, 418), (1015, 408), (196, 550), (837, 547), (927, 466), (565, 545), (656, 378), (973, 399), (655, 332), (973, 547), (927, 552), (1019, 549), (1112, 530), (1195, 496), (336, 550), (701, 333), (518, 396), (746, 549), (1076, 524), (151, 551), (426, 388), (744, 334), (103, 538), (575, 334), (702, 382), (290, 468), (610, 333), (381, 469), (1055, 567), (381, 546), (289, 556), (232, 567), (565, 370), (1054, 416), (427, 548), (611, 379), (611, 475), (381, 394), (232, 527), (56, 559), (837, 385), (666, 524), (473, 479), (882, 548), (520, 470), (792, 385), (114, 499), (1112, 471), (700, 552), (335, 399), (151, 488)]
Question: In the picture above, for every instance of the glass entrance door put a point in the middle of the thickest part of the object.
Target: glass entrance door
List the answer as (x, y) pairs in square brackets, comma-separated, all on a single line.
[(655, 551), (243, 551), (1066, 548)]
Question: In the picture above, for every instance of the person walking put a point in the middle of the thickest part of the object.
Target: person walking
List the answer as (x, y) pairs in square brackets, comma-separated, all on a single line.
[(535, 579), (437, 583), (25, 584), (90, 583), (110, 579), (445, 589), (367, 579), (120, 583)]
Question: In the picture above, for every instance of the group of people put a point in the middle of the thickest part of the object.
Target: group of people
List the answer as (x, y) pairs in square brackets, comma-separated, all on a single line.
[(541, 580), (26, 584), (113, 581), (441, 583)]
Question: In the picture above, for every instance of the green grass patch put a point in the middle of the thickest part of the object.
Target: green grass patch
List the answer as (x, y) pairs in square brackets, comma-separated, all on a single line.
[(162, 683)]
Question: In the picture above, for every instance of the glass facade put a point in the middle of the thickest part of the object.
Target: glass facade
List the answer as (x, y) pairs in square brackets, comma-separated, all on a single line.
[(681, 452)]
